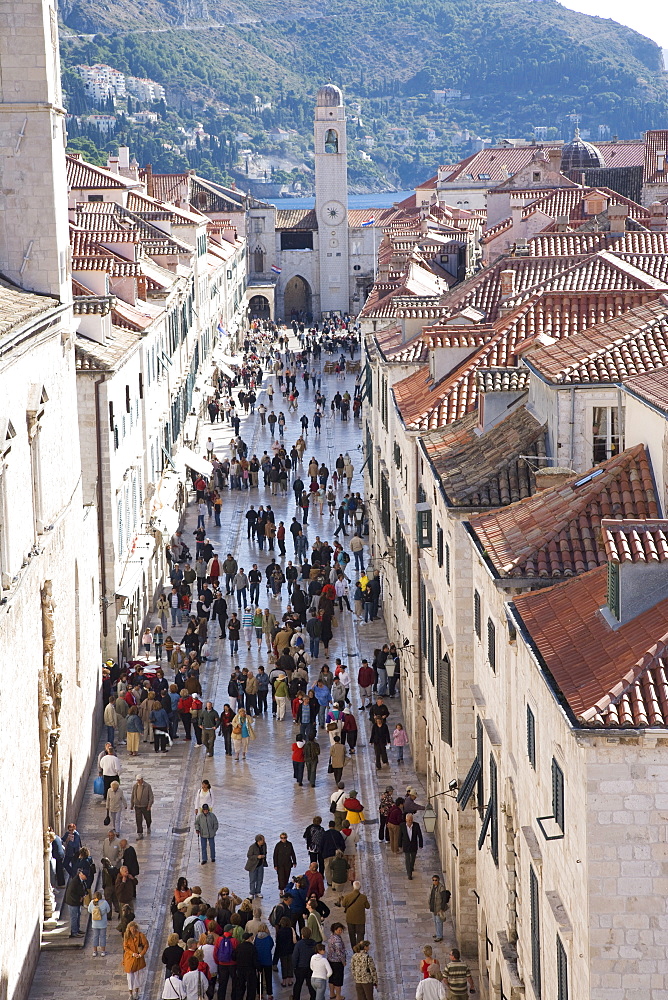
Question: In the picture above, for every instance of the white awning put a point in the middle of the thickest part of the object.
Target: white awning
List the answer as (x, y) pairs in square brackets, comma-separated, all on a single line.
[(190, 429), (187, 457), (131, 579), (166, 520)]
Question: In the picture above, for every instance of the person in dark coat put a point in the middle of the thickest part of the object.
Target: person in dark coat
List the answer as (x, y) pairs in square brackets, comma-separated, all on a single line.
[(410, 841), (247, 966), (301, 960), (129, 857), (379, 738), (285, 860), (76, 889)]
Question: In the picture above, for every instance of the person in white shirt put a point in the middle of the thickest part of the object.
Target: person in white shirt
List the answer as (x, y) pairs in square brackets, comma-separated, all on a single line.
[(430, 988), (195, 982), (110, 767), (321, 970), (204, 795), (173, 988)]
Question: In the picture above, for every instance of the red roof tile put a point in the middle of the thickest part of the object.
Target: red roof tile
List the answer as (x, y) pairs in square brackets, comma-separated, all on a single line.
[(652, 388), (557, 532), (82, 176), (656, 141), (487, 470), (609, 677), (619, 348), (635, 541)]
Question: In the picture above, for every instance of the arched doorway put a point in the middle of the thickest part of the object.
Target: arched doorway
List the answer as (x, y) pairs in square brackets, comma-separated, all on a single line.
[(259, 307), (297, 299)]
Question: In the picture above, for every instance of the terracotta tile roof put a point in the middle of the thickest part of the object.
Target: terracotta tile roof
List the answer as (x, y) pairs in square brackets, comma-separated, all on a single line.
[(571, 203), (619, 348), (655, 264), (115, 266), (86, 176), (608, 677), (566, 244), (497, 161), (93, 356), (635, 541), (424, 405), (624, 153), (652, 388), (642, 242), (656, 141), (503, 379), (130, 317), (557, 532), (383, 216), (413, 353), (486, 470), (166, 187), (18, 306), (296, 218)]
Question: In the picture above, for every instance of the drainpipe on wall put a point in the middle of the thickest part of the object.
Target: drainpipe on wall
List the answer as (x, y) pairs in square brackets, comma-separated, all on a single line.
[(571, 457)]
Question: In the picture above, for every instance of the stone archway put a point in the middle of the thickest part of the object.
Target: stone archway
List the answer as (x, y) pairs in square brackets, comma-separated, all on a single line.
[(259, 307), (297, 299)]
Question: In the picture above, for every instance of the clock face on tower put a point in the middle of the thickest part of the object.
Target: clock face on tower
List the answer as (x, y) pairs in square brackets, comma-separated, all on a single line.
[(332, 213)]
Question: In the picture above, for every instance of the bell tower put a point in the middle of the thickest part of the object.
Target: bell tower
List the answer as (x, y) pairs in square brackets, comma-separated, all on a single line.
[(34, 238), (331, 199)]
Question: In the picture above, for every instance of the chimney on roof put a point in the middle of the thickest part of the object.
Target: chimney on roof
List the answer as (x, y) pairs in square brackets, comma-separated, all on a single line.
[(658, 217), (516, 211), (617, 216), (562, 224), (554, 156), (546, 478), (148, 178), (507, 278), (637, 567), (113, 164)]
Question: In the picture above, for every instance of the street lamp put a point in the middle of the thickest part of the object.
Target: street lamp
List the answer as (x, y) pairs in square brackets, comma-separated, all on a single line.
[(429, 815)]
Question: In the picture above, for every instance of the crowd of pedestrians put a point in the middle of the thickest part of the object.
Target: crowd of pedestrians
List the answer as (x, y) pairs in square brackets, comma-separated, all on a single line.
[(286, 605)]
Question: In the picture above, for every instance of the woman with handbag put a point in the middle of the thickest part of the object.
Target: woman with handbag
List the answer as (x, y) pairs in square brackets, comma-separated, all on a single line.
[(364, 972), (135, 946), (116, 803), (242, 733)]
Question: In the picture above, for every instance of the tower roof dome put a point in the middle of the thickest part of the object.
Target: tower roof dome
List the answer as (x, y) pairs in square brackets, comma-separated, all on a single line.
[(329, 96), (580, 155)]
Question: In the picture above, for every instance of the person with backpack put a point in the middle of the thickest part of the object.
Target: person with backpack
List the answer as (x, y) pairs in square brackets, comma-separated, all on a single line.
[(99, 910), (224, 954)]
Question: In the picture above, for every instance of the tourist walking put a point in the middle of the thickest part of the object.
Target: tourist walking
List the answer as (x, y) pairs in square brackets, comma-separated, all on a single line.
[(255, 866), (206, 828), (141, 801), (363, 971)]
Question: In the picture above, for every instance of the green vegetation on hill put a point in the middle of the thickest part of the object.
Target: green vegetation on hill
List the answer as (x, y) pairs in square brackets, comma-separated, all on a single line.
[(516, 64)]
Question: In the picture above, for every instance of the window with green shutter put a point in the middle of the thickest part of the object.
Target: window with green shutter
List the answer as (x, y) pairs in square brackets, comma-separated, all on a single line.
[(534, 904), (562, 971), (439, 544), (558, 795), (430, 641), (613, 589), (444, 689), (477, 614), (491, 644), (531, 737), (480, 790)]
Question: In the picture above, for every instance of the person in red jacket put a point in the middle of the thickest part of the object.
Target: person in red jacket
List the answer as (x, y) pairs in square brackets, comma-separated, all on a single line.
[(316, 883), (183, 707), (365, 679), (349, 730), (224, 955), (298, 760)]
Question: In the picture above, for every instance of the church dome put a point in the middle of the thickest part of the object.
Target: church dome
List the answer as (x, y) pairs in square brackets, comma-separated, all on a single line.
[(329, 96), (580, 155)]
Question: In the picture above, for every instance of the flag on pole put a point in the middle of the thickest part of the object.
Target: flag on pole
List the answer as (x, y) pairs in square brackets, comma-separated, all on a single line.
[(368, 222), (276, 270)]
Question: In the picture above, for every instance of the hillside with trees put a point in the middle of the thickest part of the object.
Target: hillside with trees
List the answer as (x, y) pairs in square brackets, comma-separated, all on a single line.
[(507, 68)]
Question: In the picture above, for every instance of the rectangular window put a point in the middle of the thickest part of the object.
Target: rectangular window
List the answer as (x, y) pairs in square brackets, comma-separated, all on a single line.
[(613, 589), (439, 544), (535, 933), (444, 689), (491, 644), (369, 454), (423, 619), (296, 240), (385, 503), (397, 456), (531, 737), (605, 433), (430, 641), (403, 563), (141, 388), (423, 526), (127, 399), (562, 971), (477, 614), (480, 790), (494, 817), (558, 795), (447, 564), (111, 417)]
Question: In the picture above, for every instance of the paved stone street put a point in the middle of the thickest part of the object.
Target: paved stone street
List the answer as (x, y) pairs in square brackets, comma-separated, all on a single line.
[(259, 794)]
